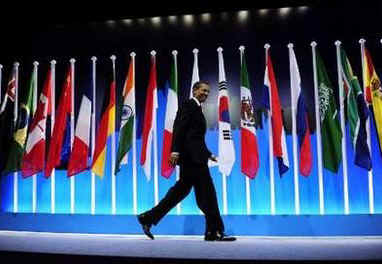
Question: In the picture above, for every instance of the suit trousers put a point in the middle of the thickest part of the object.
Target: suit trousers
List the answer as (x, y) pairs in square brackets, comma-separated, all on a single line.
[(197, 176)]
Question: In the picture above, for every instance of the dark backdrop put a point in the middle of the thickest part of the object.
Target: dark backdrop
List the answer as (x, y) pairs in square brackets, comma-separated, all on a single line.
[(68, 32)]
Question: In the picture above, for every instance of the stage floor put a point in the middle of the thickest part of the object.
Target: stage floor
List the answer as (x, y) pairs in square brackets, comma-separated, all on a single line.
[(194, 247)]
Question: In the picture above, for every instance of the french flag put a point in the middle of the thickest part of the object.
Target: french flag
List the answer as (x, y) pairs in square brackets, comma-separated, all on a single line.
[(79, 158), (272, 103), (302, 124)]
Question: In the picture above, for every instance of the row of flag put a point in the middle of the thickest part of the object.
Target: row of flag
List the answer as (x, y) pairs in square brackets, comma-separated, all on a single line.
[(28, 151)]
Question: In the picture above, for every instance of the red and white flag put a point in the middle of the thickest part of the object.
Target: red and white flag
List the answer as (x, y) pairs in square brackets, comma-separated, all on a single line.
[(149, 119), (79, 157), (34, 156)]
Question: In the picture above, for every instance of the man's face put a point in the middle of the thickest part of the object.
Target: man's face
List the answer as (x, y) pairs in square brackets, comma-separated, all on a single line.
[(202, 92)]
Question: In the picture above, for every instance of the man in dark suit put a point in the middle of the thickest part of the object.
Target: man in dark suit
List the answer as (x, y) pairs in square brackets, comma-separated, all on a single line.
[(189, 150)]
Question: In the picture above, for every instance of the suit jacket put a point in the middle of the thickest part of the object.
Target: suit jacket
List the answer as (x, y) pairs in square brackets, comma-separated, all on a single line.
[(189, 130)]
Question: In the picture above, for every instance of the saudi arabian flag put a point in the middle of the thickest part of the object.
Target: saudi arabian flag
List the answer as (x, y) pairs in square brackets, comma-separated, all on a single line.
[(127, 118), (330, 126), (17, 146)]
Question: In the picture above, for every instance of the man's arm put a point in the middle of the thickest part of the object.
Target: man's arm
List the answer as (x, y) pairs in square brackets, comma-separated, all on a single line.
[(181, 123)]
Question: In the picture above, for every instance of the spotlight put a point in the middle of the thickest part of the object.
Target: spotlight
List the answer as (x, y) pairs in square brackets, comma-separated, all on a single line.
[(188, 20), (206, 18), (243, 16), (284, 11)]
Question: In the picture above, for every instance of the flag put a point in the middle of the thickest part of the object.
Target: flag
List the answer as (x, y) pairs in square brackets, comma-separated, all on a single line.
[(127, 117), (302, 123), (7, 119), (226, 147), (59, 147), (171, 108), (17, 146), (373, 93), (78, 161), (149, 119), (195, 71), (357, 113), (105, 129), (34, 156), (249, 147), (272, 103), (330, 126)]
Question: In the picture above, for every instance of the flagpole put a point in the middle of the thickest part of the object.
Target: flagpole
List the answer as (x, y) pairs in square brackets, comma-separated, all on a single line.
[(294, 133), (113, 152), (34, 177), (224, 180), (174, 54), (318, 130), (15, 108), (94, 59), (156, 195), (247, 183), (52, 97), (135, 205), (370, 172), (195, 70), (72, 182), (1, 79), (343, 129), (270, 133)]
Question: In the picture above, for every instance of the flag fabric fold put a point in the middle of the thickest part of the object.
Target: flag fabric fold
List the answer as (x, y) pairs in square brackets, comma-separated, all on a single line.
[(330, 126), (18, 143), (60, 141), (226, 147), (105, 129), (373, 94), (34, 156), (272, 103), (7, 119), (171, 108), (357, 114), (149, 119), (249, 146), (79, 158), (127, 117), (302, 123)]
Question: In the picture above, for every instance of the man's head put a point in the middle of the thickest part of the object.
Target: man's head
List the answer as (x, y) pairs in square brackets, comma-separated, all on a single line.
[(200, 90)]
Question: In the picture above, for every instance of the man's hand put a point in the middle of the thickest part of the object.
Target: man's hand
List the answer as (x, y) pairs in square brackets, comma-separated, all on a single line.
[(173, 159), (213, 158)]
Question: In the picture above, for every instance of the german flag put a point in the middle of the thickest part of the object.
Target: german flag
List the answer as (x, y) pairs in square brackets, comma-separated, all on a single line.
[(105, 129)]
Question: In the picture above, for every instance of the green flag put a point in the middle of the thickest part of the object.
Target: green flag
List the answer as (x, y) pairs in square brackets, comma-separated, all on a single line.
[(357, 113), (17, 146), (330, 126)]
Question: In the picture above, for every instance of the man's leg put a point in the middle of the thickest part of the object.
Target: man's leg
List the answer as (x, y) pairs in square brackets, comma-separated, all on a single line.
[(174, 195), (206, 199)]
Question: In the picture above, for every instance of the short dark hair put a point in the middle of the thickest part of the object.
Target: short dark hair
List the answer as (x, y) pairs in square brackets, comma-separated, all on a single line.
[(198, 84)]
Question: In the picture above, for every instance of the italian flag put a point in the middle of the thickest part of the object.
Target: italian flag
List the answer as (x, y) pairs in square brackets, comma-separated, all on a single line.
[(171, 108)]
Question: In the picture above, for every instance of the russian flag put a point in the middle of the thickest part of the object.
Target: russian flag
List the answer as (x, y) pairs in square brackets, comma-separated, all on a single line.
[(298, 102), (272, 103)]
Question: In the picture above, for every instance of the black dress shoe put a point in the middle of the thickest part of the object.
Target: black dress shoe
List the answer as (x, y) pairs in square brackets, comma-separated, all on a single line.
[(145, 226), (218, 236)]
